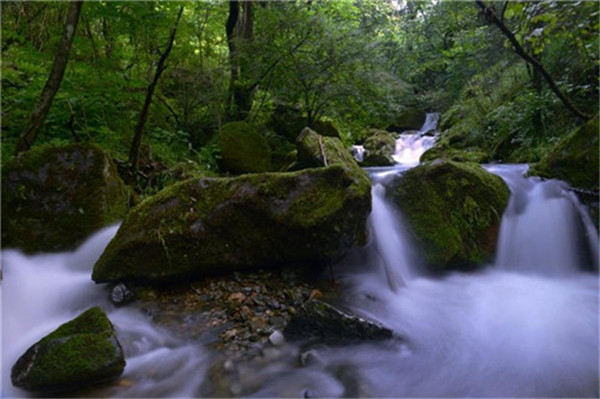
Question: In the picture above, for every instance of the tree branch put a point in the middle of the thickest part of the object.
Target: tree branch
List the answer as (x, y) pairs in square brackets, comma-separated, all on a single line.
[(491, 16)]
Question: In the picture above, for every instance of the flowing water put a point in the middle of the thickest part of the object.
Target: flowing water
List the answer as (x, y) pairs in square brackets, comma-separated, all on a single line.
[(524, 326)]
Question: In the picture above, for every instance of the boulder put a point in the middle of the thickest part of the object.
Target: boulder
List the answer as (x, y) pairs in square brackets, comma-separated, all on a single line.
[(326, 128), (453, 211), (54, 197), (408, 119), (215, 225), (379, 149), (574, 159), (243, 149), (80, 353), (318, 320), (442, 151)]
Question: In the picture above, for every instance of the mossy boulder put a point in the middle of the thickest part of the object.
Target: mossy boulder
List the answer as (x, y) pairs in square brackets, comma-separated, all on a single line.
[(54, 197), (287, 121), (208, 226), (575, 158), (453, 211), (318, 320), (80, 353), (453, 154), (243, 149), (314, 150), (379, 149), (408, 119), (326, 128)]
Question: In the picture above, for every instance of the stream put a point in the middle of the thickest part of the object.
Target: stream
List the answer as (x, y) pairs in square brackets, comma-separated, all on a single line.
[(525, 325)]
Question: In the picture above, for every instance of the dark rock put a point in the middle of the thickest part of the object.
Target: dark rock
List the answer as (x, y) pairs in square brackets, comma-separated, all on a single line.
[(326, 128), (317, 320), (453, 212), (408, 119), (54, 197), (243, 149), (206, 226), (80, 353)]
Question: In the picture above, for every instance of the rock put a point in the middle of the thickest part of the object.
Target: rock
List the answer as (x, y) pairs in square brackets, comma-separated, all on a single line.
[(121, 295), (379, 149), (54, 197), (287, 121), (276, 338), (446, 152), (574, 159), (326, 128), (453, 211), (408, 119), (80, 353), (317, 320), (243, 149), (312, 146), (216, 225)]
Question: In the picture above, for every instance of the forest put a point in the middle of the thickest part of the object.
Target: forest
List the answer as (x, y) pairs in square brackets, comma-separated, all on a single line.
[(280, 198)]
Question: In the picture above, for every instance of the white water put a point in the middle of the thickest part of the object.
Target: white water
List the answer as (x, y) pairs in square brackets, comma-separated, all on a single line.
[(526, 326), (409, 146), (41, 292)]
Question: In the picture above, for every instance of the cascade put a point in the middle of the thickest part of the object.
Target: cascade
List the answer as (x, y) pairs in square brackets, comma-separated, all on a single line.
[(409, 146), (525, 326)]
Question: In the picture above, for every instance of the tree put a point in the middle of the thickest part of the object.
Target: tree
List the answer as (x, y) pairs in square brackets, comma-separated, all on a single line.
[(143, 117), (491, 16), (49, 91)]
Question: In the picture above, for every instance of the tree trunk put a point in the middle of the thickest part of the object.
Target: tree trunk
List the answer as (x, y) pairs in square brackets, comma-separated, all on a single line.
[(139, 129), (234, 12), (54, 80), (491, 16)]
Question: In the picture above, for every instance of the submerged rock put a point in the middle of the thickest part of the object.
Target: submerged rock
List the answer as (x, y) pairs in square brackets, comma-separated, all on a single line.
[(379, 149), (80, 353), (243, 149), (321, 321), (54, 197), (453, 211), (207, 225)]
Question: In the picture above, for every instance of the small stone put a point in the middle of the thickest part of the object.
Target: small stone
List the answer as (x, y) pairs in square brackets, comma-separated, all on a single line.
[(277, 338), (121, 295)]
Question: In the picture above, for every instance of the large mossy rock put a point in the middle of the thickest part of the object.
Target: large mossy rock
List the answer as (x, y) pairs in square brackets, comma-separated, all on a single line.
[(207, 226), (453, 211), (575, 158), (408, 119), (54, 197), (379, 149), (243, 149), (442, 151), (80, 353)]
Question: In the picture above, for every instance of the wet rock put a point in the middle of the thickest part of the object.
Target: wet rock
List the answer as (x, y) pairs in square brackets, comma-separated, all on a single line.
[(121, 295), (318, 320), (54, 197), (379, 149), (453, 212), (277, 338), (80, 353), (207, 226)]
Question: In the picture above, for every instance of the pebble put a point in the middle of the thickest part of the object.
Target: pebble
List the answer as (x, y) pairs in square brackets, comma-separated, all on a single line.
[(277, 338)]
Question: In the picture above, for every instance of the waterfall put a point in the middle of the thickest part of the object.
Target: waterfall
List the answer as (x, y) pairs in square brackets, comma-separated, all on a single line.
[(409, 146), (544, 228)]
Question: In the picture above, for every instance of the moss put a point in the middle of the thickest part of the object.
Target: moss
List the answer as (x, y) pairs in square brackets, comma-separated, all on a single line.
[(54, 197), (408, 119), (379, 149), (453, 211), (575, 158), (79, 353), (326, 128), (452, 154), (243, 149), (206, 226)]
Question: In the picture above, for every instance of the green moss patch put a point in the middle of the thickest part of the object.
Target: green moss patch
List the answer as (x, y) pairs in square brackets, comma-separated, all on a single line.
[(80, 353), (243, 149), (453, 211)]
